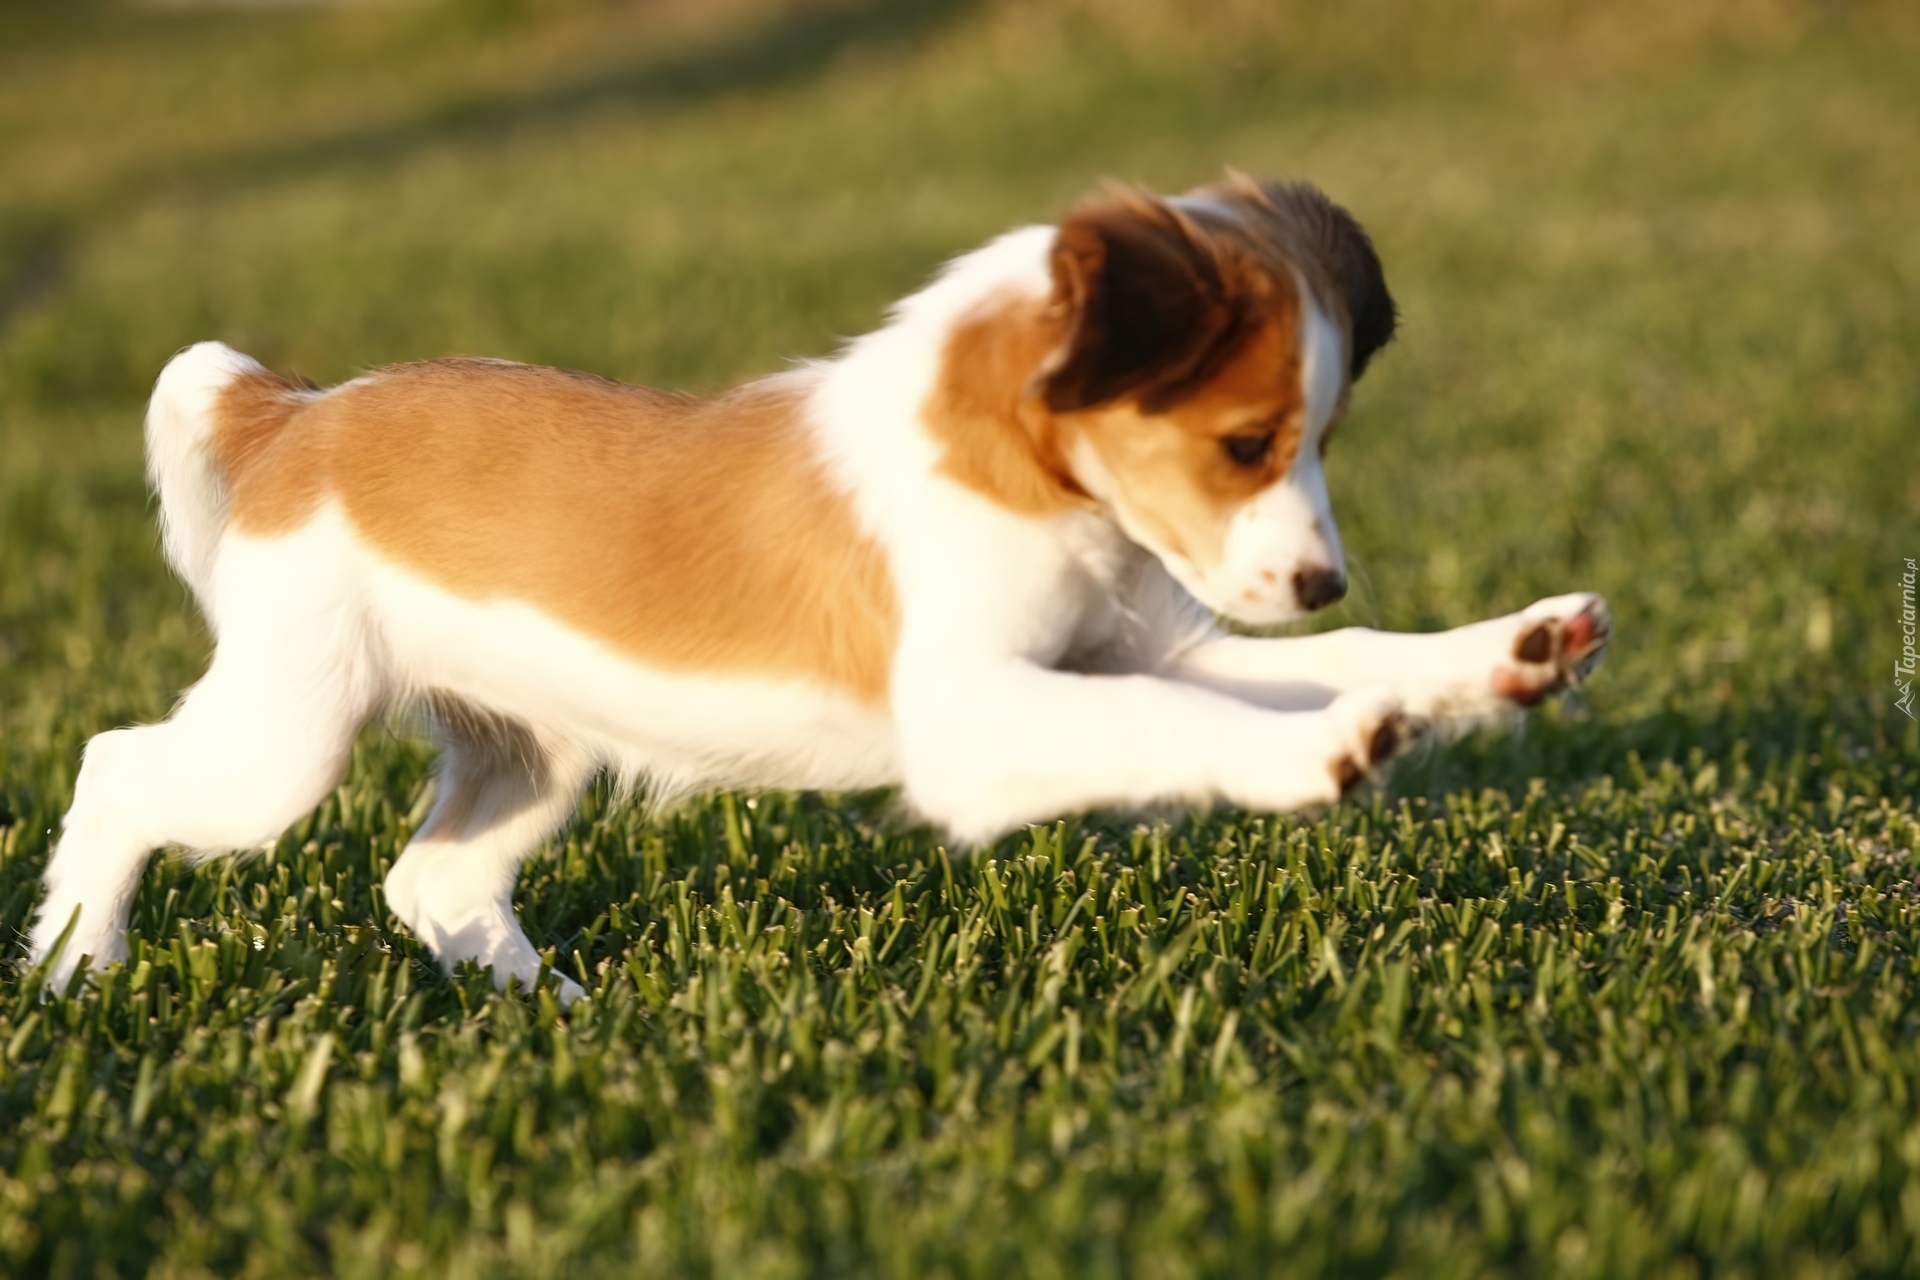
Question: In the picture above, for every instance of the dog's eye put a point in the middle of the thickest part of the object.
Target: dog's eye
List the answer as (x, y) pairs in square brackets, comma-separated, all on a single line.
[(1248, 451)]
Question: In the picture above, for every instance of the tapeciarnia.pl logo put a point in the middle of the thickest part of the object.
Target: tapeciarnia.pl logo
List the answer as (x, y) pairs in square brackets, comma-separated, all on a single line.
[(1903, 667)]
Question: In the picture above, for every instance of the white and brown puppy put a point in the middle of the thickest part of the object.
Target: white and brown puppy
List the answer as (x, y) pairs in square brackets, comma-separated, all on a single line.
[(975, 555)]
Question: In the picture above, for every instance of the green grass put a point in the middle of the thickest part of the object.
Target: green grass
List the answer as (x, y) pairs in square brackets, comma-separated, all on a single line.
[(1634, 992)]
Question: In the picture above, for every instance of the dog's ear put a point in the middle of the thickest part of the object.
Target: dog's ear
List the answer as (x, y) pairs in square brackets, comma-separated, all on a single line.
[(1347, 253), (1148, 305), (1370, 307)]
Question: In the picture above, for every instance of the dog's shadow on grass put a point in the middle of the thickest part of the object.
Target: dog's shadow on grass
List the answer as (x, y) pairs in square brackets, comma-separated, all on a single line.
[(1569, 749)]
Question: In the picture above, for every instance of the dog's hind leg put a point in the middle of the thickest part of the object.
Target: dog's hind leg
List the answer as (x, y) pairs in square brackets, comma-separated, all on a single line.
[(256, 744), (502, 790)]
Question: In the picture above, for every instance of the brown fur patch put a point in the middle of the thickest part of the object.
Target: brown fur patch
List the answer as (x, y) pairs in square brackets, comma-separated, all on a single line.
[(699, 535), (1172, 470), (274, 470), (998, 439)]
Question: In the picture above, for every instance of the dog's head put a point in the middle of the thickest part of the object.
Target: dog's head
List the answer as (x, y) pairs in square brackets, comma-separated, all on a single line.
[(1206, 347)]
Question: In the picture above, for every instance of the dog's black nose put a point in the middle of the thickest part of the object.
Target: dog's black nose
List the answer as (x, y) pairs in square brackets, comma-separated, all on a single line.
[(1318, 588)]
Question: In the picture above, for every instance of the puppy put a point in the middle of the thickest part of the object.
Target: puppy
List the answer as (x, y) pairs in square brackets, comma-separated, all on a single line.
[(977, 555)]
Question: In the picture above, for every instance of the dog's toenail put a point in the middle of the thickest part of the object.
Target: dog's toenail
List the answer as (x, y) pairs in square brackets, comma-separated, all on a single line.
[(1536, 645)]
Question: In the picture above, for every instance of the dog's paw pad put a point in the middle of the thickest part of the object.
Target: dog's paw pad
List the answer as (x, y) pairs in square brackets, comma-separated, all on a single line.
[(1387, 737), (1378, 732), (1556, 650), (1537, 644)]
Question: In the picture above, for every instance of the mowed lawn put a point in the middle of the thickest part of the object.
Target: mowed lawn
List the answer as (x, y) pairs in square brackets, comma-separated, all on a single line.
[(1633, 992)]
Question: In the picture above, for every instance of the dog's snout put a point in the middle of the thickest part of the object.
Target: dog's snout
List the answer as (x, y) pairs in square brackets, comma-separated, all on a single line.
[(1317, 588)]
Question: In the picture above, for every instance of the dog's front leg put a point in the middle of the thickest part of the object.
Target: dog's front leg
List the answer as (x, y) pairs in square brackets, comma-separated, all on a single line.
[(992, 747), (1466, 673)]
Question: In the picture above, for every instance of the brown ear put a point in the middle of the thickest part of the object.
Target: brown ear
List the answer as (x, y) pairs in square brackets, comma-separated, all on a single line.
[(1148, 303), (1345, 249), (1369, 305)]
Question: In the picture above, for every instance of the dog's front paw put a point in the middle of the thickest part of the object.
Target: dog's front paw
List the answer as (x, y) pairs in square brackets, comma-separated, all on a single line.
[(1559, 642), (1371, 727)]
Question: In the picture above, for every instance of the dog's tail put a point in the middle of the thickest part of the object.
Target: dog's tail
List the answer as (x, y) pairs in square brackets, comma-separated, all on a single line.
[(196, 408)]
